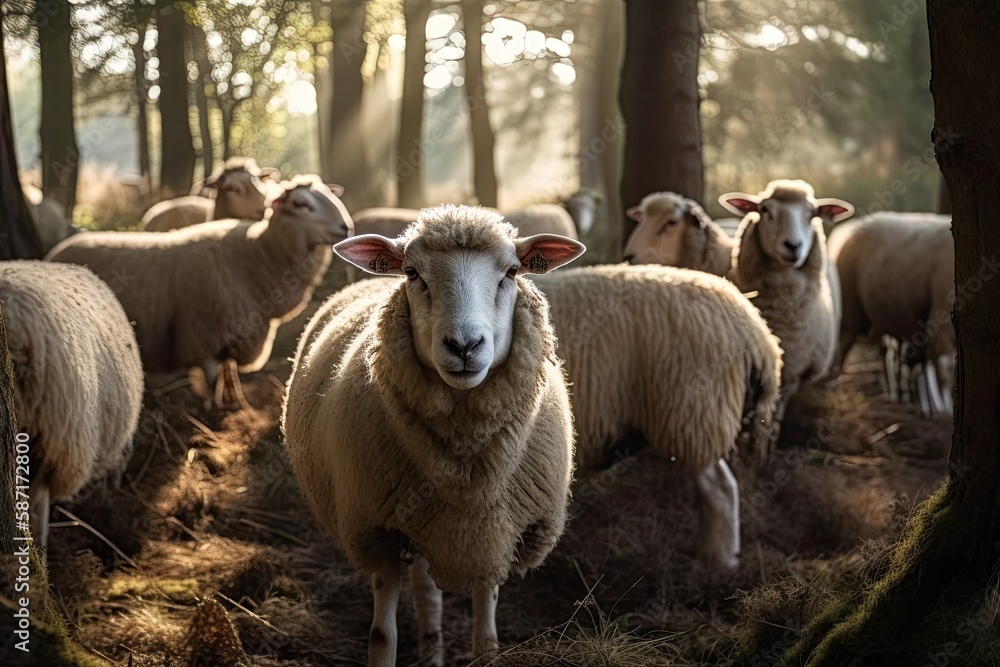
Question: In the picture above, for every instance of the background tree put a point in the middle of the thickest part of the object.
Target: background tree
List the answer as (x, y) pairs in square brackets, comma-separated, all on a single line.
[(410, 152), (60, 154), (140, 16), (484, 177), (203, 81), (177, 155), (659, 101)]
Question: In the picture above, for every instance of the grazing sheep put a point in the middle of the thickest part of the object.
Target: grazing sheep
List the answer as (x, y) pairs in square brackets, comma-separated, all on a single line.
[(780, 254), (680, 356), (883, 293), (675, 231), (50, 223), (240, 194), (77, 378), (430, 416), (216, 292)]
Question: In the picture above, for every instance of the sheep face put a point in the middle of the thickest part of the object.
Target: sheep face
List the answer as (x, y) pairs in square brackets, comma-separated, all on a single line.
[(239, 194), (664, 220), (461, 266), (309, 212)]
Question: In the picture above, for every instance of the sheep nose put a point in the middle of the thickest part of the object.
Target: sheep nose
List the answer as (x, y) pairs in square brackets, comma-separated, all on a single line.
[(793, 246), (462, 348)]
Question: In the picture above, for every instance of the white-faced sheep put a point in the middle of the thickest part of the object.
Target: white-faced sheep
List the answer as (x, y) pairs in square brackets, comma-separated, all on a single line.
[(49, 220), (680, 356), (77, 378), (780, 255), (897, 273), (675, 231), (239, 193), (430, 416), (217, 292)]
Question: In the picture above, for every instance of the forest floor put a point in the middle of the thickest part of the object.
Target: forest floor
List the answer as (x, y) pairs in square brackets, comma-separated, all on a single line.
[(209, 509)]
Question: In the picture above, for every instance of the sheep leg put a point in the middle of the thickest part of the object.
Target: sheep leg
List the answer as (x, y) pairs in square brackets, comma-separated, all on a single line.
[(945, 365), (386, 583), (921, 382), (933, 390), (233, 383), (905, 383), (891, 363), (720, 513), (427, 604), (38, 514), (484, 619)]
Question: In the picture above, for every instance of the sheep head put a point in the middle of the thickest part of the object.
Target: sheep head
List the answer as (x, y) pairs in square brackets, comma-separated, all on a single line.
[(308, 214), (461, 266), (783, 216), (667, 223)]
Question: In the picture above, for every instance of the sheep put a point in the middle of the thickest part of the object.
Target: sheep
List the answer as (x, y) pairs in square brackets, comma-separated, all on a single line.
[(543, 218), (582, 207), (430, 416), (780, 254), (50, 223), (898, 272), (78, 379), (680, 356), (216, 292), (240, 194), (675, 231)]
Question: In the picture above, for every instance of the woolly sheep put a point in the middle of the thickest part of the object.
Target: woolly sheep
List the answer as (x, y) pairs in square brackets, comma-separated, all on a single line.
[(240, 194), (49, 220), (780, 254), (216, 292), (675, 231), (884, 292), (582, 207), (78, 378), (680, 356), (430, 415)]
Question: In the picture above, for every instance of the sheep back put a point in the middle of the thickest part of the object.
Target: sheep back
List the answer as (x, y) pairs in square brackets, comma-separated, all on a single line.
[(389, 457), (78, 378), (388, 222), (177, 213), (679, 355), (543, 219)]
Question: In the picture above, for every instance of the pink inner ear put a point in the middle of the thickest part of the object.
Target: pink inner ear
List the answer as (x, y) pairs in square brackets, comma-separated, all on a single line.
[(832, 209), (745, 205), (635, 213), (375, 254)]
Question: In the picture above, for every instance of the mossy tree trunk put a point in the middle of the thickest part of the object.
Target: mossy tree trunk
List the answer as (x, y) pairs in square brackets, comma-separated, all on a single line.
[(410, 153), (659, 101), (931, 606)]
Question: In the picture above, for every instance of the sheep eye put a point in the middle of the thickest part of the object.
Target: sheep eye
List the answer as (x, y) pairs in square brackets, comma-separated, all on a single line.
[(763, 211), (512, 271), (411, 273)]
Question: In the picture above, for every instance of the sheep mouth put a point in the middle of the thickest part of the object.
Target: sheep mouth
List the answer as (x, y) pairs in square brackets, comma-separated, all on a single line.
[(791, 259)]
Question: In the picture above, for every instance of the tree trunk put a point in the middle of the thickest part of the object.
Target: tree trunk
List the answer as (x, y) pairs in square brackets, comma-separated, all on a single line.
[(227, 129), (410, 153), (199, 54), (929, 608), (659, 101), (60, 154), (18, 237), (943, 198), (142, 122), (177, 156), (323, 83), (484, 177)]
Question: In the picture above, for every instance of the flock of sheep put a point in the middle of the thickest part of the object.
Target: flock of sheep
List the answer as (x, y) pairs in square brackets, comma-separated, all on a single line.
[(435, 418)]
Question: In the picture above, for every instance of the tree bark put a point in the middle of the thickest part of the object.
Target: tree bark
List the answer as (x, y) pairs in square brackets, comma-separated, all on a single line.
[(484, 177), (199, 54), (18, 237), (177, 155), (142, 122), (60, 154), (410, 152), (943, 198), (659, 101)]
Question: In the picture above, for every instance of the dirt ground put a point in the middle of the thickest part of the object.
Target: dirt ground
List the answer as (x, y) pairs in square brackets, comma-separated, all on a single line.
[(208, 509)]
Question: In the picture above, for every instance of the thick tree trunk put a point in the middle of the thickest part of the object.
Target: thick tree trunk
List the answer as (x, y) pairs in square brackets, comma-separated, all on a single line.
[(932, 606), (410, 153), (18, 238), (943, 198), (60, 154), (199, 54), (484, 177), (177, 156), (659, 101), (142, 122), (323, 83)]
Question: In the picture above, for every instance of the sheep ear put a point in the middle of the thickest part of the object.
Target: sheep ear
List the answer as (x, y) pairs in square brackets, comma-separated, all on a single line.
[(833, 210), (337, 190), (372, 253), (543, 252), (635, 213), (698, 215), (739, 203)]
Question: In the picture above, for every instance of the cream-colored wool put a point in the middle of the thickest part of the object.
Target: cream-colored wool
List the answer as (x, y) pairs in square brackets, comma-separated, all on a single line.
[(50, 223), (800, 305), (218, 290), (680, 356), (78, 378), (543, 219), (388, 222), (676, 231), (239, 194), (897, 272), (391, 458)]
